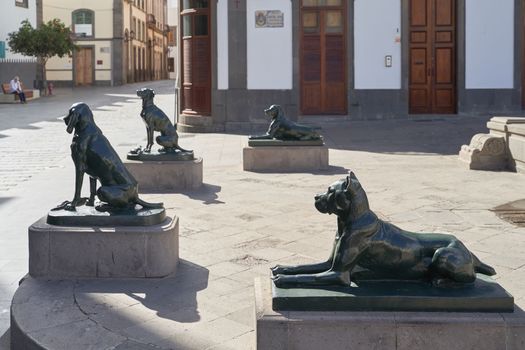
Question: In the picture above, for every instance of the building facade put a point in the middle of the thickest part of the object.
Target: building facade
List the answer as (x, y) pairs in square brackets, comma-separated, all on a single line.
[(173, 23), (11, 64), (350, 59), (119, 41)]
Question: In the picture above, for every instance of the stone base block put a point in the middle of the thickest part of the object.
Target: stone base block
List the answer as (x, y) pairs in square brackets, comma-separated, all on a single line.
[(285, 158), (166, 176), (485, 152), (122, 251), (517, 147), (383, 330), (195, 123)]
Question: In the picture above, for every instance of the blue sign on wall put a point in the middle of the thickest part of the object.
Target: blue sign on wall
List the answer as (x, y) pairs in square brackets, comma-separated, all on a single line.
[(2, 49)]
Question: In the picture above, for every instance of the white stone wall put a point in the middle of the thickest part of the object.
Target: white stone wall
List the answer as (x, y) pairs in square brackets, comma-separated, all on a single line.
[(377, 33), (489, 43), (269, 50), (222, 45), (11, 19)]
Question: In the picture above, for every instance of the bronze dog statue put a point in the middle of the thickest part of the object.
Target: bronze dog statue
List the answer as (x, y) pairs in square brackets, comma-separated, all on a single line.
[(93, 155), (156, 120), (367, 248), (283, 129)]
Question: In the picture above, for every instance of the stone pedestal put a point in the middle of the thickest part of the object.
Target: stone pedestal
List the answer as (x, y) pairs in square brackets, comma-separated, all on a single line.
[(165, 176), (285, 158), (121, 251), (195, 123), (383, 330), (485, 152)]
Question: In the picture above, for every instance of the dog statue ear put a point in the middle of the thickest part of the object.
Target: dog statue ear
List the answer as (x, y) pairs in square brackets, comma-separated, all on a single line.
[(349, 188), (73, 118)]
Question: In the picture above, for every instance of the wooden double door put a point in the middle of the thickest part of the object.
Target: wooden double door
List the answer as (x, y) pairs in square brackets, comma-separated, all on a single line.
[(84, 66), (432, 76), (196, 57), (323, 57)]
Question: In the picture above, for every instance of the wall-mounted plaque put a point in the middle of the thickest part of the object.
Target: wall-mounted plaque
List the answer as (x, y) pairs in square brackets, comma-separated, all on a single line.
[(269, 19)]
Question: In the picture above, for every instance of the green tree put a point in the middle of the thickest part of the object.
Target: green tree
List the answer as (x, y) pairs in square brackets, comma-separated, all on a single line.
[(50, 39)]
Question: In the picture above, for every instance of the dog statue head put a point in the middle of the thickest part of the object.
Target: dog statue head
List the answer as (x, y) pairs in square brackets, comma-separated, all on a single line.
[(274, 111), (146, 93), (341, 196), (79, 117)]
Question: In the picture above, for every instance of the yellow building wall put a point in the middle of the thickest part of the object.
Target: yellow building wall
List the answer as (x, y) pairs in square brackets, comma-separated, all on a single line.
[(62, 68), (103, 75), (62, 10), (60, 75)]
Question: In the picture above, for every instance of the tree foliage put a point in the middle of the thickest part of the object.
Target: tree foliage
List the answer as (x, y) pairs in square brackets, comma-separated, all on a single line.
[(50, 39)]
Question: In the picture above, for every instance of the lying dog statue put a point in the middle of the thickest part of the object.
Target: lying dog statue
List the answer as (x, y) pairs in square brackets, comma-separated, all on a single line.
[(367, 248), (283, 129), (93, 155), (156, 120)]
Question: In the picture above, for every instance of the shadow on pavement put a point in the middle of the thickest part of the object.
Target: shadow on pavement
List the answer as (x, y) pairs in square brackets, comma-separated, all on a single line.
[(5, 340), (331, 170), (173, 298), (4, 200), (207, 194), (438, 136)]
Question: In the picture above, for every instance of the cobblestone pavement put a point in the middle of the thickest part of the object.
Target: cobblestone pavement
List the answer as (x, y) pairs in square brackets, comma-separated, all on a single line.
[(240, 223)]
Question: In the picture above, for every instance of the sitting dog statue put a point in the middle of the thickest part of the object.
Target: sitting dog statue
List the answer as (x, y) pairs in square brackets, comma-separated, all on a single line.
[(283, 129), (93, 155), (156, 120), (367, 248)]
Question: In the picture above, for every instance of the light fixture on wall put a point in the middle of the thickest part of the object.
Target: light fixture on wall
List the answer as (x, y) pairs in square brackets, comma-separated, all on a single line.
[(129, 36)]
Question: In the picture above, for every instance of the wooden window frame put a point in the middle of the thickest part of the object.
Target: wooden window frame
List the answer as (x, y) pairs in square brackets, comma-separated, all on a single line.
[(73, 22)]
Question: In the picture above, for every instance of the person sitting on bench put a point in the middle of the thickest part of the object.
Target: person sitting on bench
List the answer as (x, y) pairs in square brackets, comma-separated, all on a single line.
[(16, 88)]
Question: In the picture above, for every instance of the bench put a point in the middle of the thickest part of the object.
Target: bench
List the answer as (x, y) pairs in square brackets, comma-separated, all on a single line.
[(8, 97)]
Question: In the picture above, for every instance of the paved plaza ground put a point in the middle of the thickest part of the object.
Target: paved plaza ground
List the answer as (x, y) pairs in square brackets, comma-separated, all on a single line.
[(241, 223)]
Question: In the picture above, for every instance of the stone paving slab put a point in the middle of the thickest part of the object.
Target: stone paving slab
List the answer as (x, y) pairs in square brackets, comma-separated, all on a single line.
[(238, 223)]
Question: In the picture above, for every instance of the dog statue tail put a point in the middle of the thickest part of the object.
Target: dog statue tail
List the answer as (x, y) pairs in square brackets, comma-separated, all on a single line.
[(149, 205), (482, 267), (184, 150)]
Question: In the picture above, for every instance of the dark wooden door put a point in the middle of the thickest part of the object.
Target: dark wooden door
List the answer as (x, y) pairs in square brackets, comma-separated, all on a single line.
[(84, 66), (323, 57), (196, 57), (432, 81)]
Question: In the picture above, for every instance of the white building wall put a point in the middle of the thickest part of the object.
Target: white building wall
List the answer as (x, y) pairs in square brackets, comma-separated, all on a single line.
[(222, 45), (489, 43), (11, 19), (377, 34), (269, 50)]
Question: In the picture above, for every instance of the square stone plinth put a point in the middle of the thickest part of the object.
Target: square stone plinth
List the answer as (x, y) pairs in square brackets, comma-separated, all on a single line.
[(165, 176), (285, 158), (122, 251), (356, 330), (484, 295)]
